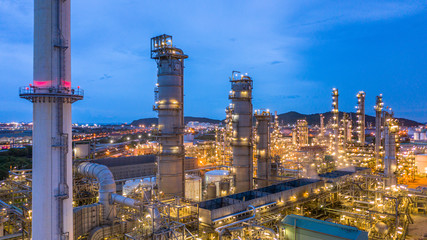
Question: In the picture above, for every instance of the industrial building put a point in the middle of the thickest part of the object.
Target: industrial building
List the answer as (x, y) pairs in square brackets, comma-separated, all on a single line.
[(299, 227)]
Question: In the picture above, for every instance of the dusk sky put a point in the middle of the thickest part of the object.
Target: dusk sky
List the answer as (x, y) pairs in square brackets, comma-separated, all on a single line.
[(296, 52)]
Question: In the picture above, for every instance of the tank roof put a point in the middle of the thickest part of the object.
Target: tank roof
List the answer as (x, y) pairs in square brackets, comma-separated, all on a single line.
[(218, 172)]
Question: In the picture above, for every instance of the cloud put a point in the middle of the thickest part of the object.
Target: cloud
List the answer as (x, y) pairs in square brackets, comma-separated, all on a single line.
[(292, 96), (106, 76)]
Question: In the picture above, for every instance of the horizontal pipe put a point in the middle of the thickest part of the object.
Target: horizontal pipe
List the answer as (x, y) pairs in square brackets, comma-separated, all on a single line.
[(12, 236), (220, 229), (235, 214), (119, 199)]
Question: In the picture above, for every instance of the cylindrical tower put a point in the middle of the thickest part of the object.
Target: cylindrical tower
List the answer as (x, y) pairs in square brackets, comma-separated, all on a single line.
[(263, 119), (335, 122), (390, 162), (52, 96), (361, 117), (169, 103), (241, 99), (378, 124)]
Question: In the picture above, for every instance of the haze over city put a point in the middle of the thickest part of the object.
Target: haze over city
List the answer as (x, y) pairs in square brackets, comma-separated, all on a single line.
[(296, 51)]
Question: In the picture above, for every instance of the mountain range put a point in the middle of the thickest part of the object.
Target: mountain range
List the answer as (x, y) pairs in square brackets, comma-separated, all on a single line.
[(287, 118)]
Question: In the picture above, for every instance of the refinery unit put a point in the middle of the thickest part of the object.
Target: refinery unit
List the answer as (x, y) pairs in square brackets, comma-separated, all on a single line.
[(260, 184)]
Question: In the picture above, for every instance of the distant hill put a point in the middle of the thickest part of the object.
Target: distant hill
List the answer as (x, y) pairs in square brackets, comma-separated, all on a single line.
[(314, 119), (286, 118), (150, 121)]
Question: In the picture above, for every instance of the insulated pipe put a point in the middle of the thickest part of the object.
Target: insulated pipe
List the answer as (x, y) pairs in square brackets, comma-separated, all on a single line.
[(107, 186), (119, 199)]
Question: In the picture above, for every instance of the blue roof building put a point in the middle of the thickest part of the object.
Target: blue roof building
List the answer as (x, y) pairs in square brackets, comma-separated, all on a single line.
[(303, 228)]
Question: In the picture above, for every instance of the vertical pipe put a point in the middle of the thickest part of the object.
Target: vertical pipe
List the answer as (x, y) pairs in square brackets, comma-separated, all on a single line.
[(263, 119), (169, 104), (241, 98)]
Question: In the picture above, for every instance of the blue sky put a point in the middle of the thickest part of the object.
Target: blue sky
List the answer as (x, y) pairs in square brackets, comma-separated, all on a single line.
[(296, 51)]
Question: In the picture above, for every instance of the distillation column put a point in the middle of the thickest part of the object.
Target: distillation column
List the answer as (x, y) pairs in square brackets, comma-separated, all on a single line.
[(275, 142), (322, 126), (52, 96), (228, 133), (302, 133), (241, 99), (169, 103), (378, 124), (263, 119), (346, 129), (335, 122), (390, 162), (361, 117)]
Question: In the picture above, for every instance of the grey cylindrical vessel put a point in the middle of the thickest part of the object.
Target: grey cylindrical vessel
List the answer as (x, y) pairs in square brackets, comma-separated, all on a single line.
[(241, 99), (169, 104)]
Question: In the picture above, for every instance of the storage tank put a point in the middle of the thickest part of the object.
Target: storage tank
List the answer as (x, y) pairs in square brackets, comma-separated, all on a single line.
[(211, 191), (381, 228), (216, 176), (421, 163), (423, 135), (416, 135), (224, 187), (193, 188)]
